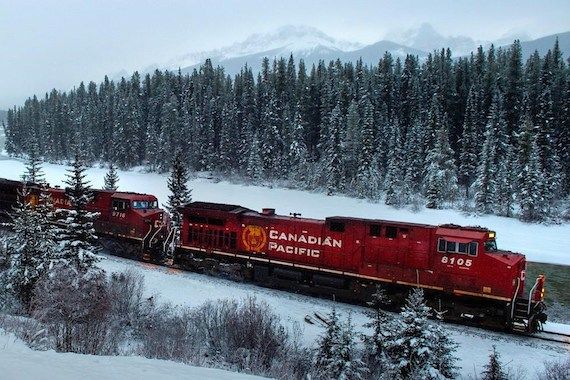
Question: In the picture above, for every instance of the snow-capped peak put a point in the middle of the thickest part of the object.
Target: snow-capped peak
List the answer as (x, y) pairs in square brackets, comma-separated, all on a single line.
[(297, 39)]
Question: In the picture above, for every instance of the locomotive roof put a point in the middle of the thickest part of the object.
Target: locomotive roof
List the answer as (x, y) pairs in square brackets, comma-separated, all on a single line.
[(217, 207), (379, 221)]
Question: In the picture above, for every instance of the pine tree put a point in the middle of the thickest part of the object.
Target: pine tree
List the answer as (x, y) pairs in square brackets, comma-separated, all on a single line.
[(366, 146), (332, 160), (298, 153), (444, 348), (346, 365), (33, 172), (469, 144), (327, 344), (30, 250), (494, 368), (111, 178), (530, 194), (76, 237), (411, 350), (441, 181), (180, 194), (381, 325), (485, 185), (394, 175), (254, 169)]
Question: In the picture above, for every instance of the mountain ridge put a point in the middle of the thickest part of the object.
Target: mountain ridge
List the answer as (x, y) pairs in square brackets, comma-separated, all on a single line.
[(313, 45)]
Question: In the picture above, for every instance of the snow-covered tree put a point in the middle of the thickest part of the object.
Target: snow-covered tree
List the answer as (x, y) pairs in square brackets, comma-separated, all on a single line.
[(366, 149), (327, 344), (441, 172), (494, 368), (485, 185), (111, 178), (298, 159), (180, 194), (469, 147), (33, 173), (346, 365), (381, 325), (444, 348), (30, 250), (76, 236), (411, 350), (254, 168), (332, 160), (530, 192)]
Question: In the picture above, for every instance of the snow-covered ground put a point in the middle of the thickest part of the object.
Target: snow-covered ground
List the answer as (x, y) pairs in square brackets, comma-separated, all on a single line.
[(191, 289), (540, 243), (18, 361)]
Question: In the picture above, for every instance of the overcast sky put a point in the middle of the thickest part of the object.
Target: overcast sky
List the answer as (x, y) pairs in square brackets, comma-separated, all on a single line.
[(57, 43)]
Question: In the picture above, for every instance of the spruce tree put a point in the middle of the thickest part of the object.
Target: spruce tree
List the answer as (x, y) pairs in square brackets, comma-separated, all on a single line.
[(30, 251), (366, 148), (530, 194), (468, 143), (485, 185), (346, 365), (494, 368), (76, 236), (254, 169), (111, 178), (444, 348), (180, 194), (327, 344), (411, 350), (298, 159), (381, 325), (441, 181), (33, 173), (332, 160)]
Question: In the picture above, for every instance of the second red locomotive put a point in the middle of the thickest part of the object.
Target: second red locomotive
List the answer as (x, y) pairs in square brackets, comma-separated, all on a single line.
[(461, 269)]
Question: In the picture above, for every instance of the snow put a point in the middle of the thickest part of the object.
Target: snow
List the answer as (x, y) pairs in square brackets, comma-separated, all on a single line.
[(191, 289), (17, 361), (541, 243), (297, 39)]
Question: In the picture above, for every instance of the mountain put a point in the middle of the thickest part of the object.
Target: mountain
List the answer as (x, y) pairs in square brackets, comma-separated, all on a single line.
[(313, 45), (304, 42), (543, 44), (3, 115), (426, 38), (301, 40)]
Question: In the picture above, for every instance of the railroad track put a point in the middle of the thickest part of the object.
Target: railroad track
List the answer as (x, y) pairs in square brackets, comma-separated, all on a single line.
[(552, 336)]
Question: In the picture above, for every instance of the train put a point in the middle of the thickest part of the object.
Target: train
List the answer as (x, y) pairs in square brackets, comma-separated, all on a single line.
[(465, 276)]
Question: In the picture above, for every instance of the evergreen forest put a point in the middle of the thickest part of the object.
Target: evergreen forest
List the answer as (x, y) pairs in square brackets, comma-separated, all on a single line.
[(488, 133)]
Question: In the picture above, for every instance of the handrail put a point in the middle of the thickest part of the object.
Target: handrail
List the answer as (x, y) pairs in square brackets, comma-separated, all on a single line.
[(530, 295), (514, 298), (145, 236), (154, 235), (166, 241)]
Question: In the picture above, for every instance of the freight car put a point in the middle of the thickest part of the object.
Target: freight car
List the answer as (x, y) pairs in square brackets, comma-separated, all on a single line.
[(464, 275)]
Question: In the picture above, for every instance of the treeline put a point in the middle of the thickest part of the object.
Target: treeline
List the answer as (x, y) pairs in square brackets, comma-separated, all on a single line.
[(488, 132)]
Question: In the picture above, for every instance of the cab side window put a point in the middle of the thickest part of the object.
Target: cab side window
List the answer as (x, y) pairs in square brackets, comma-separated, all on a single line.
[(120, 204)]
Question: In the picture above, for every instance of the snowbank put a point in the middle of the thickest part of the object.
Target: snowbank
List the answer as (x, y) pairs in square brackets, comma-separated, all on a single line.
[(18, 362), (540, 243), (191, 289)]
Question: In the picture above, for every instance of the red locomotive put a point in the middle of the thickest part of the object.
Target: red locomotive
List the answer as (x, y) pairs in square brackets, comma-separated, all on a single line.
[(463, 273), (131, 224)]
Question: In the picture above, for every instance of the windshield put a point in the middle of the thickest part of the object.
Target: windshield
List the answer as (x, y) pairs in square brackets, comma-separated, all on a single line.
[(491, 246), (144, 204)]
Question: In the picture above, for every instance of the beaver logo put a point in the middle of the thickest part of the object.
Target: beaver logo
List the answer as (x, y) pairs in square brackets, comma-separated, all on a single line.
[(254, 238)]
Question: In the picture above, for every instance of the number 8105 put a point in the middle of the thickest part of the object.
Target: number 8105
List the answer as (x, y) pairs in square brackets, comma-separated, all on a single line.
[(460, 261)]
